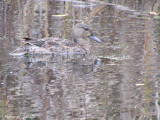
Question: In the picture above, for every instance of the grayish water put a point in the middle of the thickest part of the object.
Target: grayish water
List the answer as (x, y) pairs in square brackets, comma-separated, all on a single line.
[(118, 80)]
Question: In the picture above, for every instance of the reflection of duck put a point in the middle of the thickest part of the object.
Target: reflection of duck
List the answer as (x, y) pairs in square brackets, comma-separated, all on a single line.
[(80, 35)]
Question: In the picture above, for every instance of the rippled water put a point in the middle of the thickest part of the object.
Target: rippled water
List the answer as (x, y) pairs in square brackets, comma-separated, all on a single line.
[(118, 80)]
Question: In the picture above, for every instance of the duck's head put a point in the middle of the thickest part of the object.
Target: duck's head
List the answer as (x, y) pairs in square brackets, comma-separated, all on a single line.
[(82, 34)]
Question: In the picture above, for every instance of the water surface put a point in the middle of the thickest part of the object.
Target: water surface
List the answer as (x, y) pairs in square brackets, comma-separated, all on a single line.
[(118, 80)]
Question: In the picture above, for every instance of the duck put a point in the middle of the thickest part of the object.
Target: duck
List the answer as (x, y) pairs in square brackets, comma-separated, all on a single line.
[(80, 43)]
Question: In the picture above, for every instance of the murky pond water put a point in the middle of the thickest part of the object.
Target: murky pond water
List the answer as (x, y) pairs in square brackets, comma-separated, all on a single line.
[(117, 80)]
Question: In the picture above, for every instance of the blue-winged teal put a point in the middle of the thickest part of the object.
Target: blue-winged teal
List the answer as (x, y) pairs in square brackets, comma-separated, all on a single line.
[(80, 43)]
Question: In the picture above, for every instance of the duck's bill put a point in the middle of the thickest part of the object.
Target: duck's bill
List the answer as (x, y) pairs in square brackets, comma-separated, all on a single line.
[(93, 37)]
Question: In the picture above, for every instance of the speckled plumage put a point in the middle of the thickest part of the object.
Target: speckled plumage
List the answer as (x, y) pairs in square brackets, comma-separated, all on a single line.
[(79, 44)]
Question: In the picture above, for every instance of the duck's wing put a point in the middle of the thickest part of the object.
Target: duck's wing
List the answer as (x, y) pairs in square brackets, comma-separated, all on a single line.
[(36, 42)]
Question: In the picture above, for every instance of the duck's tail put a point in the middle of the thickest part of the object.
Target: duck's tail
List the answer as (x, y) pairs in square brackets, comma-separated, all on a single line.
[(19, 52), (27, 39)]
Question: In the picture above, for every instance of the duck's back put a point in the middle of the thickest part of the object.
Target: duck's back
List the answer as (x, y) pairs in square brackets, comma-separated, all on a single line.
[(54, 46)]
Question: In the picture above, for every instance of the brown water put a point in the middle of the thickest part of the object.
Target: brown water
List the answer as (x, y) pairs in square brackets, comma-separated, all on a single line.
[(118, 80)]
